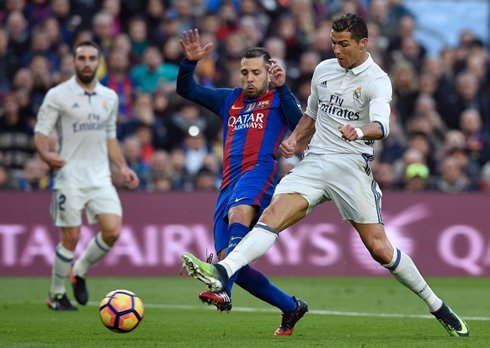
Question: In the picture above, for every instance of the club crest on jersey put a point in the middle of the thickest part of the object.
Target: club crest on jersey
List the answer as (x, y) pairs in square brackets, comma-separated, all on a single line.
[(250, 107), (263, 104), (357, 93), (104, 106)]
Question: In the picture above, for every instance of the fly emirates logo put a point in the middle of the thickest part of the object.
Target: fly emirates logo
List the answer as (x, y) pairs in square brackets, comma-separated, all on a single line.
[(252, 120)]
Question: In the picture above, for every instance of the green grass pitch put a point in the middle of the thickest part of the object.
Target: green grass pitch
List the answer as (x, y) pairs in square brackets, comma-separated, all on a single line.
[(344, 312)]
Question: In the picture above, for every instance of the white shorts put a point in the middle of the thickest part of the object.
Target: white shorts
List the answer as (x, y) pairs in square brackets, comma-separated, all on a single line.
[(67, 204), (345, 179)]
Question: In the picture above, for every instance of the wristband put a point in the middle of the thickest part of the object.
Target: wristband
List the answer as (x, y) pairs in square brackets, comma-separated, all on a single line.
[(360, 134)]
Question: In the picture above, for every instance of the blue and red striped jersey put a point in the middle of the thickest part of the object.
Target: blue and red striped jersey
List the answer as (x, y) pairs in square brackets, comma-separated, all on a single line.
[(252, 129)]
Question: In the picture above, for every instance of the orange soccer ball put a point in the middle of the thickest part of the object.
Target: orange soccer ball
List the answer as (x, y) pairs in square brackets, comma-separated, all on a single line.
[(121, 311)]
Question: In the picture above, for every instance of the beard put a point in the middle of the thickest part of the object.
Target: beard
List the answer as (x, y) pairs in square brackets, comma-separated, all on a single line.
[(84, 78)]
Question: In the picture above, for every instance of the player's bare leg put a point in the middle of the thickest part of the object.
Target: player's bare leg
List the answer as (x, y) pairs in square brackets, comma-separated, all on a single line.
[(404, 270)]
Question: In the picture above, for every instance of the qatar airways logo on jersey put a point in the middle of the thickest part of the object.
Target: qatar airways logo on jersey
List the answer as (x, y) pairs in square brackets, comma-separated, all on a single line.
[(334, 107), (252, 120)]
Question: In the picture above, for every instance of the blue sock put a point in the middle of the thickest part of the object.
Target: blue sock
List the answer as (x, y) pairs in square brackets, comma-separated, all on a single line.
[(236, 232), (257, 284)]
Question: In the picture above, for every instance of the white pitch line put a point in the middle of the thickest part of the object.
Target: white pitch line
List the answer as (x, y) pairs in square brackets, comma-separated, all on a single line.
[(317, 312), (272, 310)]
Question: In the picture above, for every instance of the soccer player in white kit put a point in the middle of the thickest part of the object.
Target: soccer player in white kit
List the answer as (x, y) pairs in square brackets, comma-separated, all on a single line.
[(348, 110), (84, 114)]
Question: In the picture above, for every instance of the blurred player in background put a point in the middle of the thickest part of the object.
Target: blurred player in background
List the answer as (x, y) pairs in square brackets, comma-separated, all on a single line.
[(256, 120), (84, 113), (348, 110)]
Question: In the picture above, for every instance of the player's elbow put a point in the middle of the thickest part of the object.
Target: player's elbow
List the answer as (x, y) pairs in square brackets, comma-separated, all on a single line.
[(384, 129)]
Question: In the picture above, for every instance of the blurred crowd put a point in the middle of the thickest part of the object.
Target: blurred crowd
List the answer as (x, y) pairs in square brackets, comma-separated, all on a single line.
[(440, 121)]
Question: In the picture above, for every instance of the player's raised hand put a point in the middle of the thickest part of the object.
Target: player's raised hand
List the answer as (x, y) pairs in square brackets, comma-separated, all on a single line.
[(348, 132), (54, 160), (287, 147), (130, 178), (277, 74), (192, 46)]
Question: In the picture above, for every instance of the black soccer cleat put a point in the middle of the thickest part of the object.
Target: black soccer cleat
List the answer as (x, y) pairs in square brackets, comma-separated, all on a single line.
[(454, 325), (79, 287), (289, 319), (60, 302), (220, 299)]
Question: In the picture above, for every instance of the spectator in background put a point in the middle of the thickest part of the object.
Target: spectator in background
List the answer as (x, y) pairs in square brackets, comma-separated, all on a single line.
[(8, 62), (416, 176), (477, 143), (118, 80), (383, 174), (171, 50), (132, 153), (143, 115), (196, 150), (43, 81), (405, 82), (154, 73), (37, 11), (24, 101), (102, 27), (18, 29), (181, 180), (122, 43), (35, 176), (40, 45), (485, 178), (16, 137), (154, 12), (138, 32), (205, 180), (113, 7), (68, 23), (160, 182), (453, 179)]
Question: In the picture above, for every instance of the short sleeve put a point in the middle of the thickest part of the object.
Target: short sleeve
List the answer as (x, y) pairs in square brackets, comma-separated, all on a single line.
[(111, 122), (48, 114)]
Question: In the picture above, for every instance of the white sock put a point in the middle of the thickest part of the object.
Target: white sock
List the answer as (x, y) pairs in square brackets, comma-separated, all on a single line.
[(405, 271), (61, 264), (254, 245), (96, 249)]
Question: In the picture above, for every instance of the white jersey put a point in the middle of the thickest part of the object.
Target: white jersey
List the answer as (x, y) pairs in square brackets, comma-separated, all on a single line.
[(84, 123), (347, 96)]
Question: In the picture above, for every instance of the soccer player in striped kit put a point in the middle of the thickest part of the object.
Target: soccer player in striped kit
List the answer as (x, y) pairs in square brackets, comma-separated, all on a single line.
[(255, 120), (348, 110)]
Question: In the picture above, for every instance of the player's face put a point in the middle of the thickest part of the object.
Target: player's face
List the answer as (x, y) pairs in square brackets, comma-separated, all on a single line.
[(348, 52), (255, 79), (86, 63)]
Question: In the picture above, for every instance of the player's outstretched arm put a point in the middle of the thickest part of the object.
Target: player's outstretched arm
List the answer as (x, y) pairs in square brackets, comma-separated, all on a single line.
[(192, 46), (42, 147), (304, 129), (115, 155)]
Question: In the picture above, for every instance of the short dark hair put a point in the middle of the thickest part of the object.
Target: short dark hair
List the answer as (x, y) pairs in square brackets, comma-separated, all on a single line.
[(255, 52), (352, 23), (87, 43)]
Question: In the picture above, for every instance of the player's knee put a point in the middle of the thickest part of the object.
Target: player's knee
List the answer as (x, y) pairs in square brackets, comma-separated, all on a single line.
[(381, 252), (111, 235), (70, 240)]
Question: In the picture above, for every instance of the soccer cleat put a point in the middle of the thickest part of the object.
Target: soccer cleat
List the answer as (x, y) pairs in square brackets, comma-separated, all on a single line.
[(454, 325), (214, 276), (60, 302), (220, 299), (79, 287), (290, 319)]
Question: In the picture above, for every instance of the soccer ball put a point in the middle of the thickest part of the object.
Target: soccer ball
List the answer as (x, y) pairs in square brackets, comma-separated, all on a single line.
[(121, 311)]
